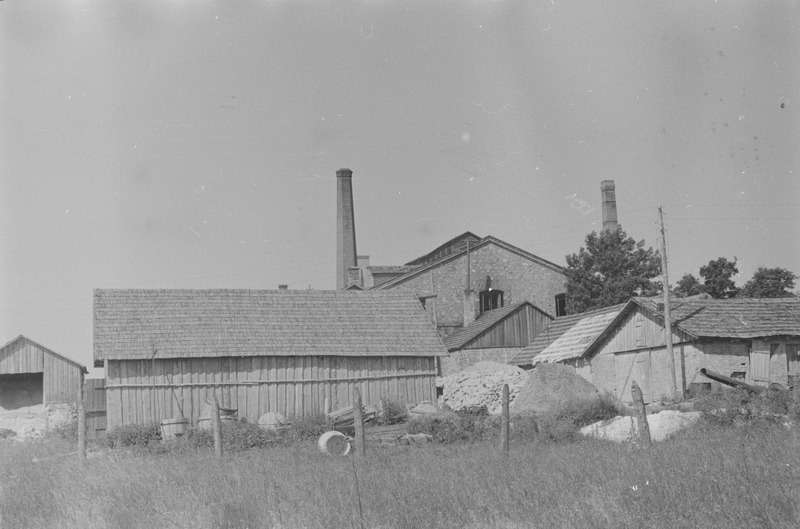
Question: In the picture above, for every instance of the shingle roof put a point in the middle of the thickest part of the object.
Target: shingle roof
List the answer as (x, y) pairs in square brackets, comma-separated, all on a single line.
[(745, 318), (586, 334), (484, 322), (738, 318), (133, 324)]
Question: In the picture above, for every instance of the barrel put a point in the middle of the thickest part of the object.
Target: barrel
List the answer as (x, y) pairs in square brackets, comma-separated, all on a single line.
[(172, 428), (334, 444)]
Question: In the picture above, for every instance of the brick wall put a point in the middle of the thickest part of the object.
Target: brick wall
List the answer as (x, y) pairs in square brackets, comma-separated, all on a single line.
[(519, 278)]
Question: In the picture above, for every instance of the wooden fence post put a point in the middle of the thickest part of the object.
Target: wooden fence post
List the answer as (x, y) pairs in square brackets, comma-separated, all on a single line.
[(81, 419), (504, 422), (358, 419), (216, 426), (641, 414)]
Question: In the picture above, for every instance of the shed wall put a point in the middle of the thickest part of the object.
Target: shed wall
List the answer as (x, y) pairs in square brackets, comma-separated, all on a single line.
[(145, 391), (517, 330), (61, 376)]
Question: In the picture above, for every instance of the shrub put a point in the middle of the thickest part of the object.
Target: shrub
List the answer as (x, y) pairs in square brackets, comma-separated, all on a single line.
[(133, 435), (392, 412), (563, 423), (453, 427), (307, 428), (734, 406)]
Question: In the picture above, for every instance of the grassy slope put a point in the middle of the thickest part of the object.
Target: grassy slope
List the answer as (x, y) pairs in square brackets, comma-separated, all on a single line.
[(707, 477)]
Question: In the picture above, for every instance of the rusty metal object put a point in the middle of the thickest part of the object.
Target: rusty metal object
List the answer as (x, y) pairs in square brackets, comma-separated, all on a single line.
[(728, 381)]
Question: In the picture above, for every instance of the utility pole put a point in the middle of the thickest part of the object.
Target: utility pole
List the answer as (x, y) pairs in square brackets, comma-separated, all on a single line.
[(667, 314)]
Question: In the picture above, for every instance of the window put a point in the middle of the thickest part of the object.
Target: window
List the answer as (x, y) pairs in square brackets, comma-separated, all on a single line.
[(491, 299), (561, 305)]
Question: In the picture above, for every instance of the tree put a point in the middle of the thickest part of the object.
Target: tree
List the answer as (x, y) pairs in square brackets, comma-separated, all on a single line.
[(769, 283), (688, 285), (717, 276), (610, 270)]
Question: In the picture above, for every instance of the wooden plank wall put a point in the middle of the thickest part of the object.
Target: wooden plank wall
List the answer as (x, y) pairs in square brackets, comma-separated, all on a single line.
[(94, 403), (61, 376), (517, 330), (146, 391)]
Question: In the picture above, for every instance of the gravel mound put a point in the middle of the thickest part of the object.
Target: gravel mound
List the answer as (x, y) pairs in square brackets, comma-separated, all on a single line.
[(661, 425), (550, 384), (32, 422), (481, 385)]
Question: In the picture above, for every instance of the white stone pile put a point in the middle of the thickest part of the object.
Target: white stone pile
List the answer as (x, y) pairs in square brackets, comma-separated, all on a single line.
[(481, 385)]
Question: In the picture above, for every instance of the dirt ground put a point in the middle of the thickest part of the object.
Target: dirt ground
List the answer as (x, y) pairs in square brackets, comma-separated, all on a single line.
[(32, 422)]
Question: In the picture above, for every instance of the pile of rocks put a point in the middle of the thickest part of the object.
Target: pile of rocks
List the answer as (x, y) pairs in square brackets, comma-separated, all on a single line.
[(481, 386), (32, 422), (549, 385)]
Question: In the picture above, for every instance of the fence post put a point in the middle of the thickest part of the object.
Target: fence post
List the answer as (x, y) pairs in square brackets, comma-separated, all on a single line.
[(504, 422), (358, 419), (216, 426), (81, 419), (641, 414)]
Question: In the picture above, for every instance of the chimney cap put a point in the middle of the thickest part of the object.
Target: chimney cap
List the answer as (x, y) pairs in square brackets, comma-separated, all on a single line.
[(607, 184), (344, 173)]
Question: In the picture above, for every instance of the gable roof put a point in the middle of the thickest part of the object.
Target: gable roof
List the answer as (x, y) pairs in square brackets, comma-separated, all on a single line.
[(136, 324), (736, 318), (458, 253), (455, 244), (484, 322), (40, 346), (742, 318), (568, 336)]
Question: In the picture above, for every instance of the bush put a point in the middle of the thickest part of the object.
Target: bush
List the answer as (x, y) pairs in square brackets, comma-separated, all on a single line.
[(564, 422), (392, 412), (737, 407), (308, 428), (133, 435), (454, 427)]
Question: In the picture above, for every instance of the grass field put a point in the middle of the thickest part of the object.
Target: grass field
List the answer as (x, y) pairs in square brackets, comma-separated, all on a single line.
[(704, 477)]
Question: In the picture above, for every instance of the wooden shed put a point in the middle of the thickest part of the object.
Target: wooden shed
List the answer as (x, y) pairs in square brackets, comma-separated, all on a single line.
[(284, 351), (497, 335), (753, 340), (32, 374)]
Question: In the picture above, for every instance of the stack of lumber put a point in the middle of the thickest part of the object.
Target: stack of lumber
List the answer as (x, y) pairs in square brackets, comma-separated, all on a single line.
[(345, 417)]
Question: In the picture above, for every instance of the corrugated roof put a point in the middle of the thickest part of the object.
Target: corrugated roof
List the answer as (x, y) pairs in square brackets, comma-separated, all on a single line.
[(558, 328), (484, 322), (136, 324)]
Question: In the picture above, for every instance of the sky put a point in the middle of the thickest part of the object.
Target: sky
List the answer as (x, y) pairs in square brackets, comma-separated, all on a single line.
[(194, 144)]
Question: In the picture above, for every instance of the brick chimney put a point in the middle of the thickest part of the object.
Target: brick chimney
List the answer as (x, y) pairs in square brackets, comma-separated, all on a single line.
[(609, 200), (345, 228)]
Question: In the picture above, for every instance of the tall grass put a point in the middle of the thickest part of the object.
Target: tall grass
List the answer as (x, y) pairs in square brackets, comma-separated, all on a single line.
[(705, 477)]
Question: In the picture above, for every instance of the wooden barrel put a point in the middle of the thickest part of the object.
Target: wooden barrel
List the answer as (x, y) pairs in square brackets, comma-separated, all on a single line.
[(334, 444), (173, 428)]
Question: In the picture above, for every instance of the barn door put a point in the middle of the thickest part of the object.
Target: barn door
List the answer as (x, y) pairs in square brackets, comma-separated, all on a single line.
[(759, 367)]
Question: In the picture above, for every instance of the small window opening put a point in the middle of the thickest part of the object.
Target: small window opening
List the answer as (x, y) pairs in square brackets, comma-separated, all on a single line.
[(561, 305), (491, 299)]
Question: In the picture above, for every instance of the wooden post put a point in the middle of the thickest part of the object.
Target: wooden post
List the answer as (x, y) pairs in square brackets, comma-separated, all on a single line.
[(667, 309), (641, 414), (504, 429), (358, 419), (216, 426), (81, 419)]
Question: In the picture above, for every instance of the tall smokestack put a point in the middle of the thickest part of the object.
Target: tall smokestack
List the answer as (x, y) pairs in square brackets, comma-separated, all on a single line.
[(345, 227), (609, 199)]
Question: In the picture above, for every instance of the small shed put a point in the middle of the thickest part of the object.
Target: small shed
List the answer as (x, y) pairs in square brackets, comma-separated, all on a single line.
[(166, 352), (32, 374), (497, 335)]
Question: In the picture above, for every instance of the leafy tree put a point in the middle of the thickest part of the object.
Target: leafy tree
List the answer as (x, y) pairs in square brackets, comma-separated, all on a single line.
[(769, 283), (688, 285), (609, 270), (717, 276)]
